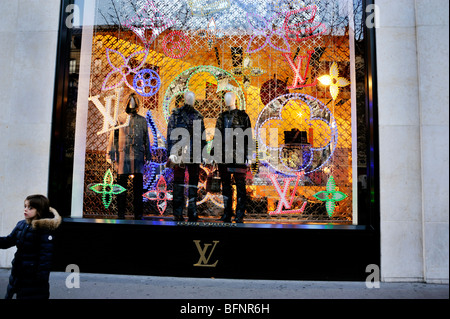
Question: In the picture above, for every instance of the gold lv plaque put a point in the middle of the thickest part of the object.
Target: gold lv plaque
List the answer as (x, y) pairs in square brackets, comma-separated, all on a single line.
[(203, 261)]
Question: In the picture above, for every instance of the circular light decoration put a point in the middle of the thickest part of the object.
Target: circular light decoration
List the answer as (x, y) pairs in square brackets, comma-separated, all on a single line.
[(176, 45), (181, 84), (146, 82), (313, 157)]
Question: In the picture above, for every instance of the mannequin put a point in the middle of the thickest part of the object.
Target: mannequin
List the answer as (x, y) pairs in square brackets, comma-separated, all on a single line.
[(125, 153), (189, 99), (188, 118), (235, 157), (230, 101)]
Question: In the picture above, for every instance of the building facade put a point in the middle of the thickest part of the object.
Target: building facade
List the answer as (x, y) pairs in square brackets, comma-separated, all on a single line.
[(400, 224)]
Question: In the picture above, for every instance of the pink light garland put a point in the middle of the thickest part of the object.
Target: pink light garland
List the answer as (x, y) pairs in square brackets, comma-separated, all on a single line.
[(267, 31), (153, 20), (123, 69)]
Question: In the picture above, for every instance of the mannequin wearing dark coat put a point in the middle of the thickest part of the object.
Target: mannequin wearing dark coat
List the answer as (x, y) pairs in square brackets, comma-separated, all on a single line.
[(129, 149), (188, 118), (32, 261), (235, 156)]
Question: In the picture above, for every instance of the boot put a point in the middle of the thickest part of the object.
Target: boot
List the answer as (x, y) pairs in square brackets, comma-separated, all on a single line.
[(192, 210), (192, 204), (226, 218), (178, 202)]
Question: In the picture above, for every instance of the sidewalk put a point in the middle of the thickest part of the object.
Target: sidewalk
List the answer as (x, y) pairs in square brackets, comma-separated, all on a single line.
[(103, 286)]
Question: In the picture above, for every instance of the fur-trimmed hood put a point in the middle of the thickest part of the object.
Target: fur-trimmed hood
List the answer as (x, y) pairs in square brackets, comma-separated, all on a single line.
[(47, 223)]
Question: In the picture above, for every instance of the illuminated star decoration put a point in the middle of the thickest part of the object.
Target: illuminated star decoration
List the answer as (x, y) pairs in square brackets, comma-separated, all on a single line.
[(176, 45), (107, 188), (330, 196), (160, 194), (209, 33), (122, 69), (333, 80), (265, 28), (148, 17)]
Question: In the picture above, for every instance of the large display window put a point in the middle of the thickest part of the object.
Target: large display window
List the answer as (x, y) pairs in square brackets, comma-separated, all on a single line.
[(296, 71)]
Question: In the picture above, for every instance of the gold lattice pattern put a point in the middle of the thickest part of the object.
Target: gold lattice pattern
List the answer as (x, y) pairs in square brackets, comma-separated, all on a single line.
[(261, 55)]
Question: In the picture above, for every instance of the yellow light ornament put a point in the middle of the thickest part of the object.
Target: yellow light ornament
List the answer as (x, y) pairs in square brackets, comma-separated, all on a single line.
[(333, 80)]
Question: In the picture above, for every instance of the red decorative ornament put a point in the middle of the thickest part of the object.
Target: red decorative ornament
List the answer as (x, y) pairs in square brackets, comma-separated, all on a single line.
[(272, 89), (176, 45), (161, 194), (299, 79)]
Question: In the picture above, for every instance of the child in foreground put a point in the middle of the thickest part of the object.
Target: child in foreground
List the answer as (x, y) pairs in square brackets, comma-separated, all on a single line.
[(34, 241)]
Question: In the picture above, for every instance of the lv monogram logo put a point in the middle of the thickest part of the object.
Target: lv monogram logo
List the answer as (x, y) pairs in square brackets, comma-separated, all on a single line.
[(203, 261), (283, 202), (109, 123), (299, 79)]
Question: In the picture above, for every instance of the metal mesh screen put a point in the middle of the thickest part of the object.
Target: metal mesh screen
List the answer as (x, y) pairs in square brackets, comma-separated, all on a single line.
[(288, 63)]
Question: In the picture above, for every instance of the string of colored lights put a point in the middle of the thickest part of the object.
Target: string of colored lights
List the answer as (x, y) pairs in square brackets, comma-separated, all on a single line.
[(108, 188), (124, 69), (155, 194), (148, 17), (283, 193), (144, 79), (330, 196), (298, 78), (319, 111), (176, 45), (181, 84), (267, 31), (153, 165)]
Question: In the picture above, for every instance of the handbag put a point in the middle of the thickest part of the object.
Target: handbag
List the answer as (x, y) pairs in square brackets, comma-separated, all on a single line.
[(213, 181)]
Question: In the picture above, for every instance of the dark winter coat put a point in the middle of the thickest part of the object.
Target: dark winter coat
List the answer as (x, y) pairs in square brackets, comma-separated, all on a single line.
[(129, 146), (32, 261), (241, 144), (191, 120)]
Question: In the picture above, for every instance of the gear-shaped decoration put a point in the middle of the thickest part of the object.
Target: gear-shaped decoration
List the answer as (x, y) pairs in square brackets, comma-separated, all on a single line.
[(146, 82)]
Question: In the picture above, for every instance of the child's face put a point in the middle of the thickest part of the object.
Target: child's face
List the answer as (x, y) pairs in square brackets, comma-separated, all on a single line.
[(29, 212)]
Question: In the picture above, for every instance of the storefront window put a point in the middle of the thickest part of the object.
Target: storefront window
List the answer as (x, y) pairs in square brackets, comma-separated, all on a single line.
[(296, 70)]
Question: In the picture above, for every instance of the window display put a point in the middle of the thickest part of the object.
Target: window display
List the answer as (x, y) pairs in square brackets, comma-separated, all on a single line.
[(265, 96)]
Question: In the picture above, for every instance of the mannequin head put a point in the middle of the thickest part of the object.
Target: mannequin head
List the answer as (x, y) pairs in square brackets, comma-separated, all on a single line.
[(230, 100), (189, 98), (132, 104)]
